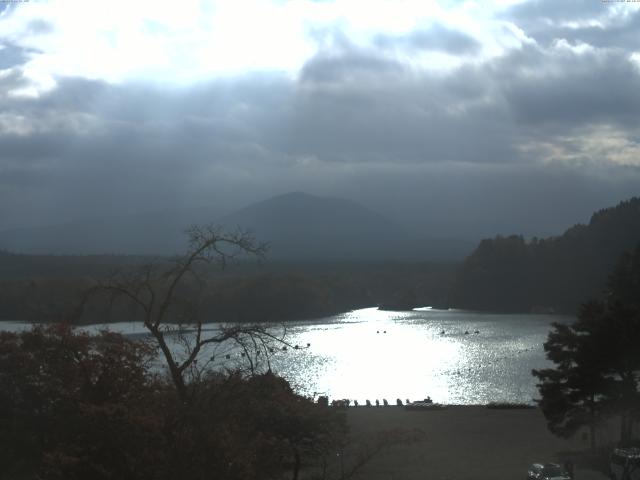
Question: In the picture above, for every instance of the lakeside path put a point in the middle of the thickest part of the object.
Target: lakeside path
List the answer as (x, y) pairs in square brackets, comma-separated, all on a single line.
[(464, 442)]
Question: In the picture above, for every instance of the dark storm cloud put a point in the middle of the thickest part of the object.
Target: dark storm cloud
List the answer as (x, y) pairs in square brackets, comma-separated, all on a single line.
[(622, 33), (473, 114), (12, 55), (20, 178), (356, 104), (349, 62), (28, 149), (436, 38), (353, 106), (567, 89), (131, 148), (550, 12), (442, 149), (409, 125), (10, 80), (579, 21)]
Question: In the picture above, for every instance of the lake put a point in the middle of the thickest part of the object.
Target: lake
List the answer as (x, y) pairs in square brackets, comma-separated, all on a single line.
[(372, 354)]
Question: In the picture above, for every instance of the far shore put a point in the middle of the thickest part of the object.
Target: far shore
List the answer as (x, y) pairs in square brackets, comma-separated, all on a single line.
[(466, 442)]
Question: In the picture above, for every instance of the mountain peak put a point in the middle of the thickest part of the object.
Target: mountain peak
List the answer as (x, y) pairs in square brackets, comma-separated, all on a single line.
[(294, 195), (302, 197), (302, 225)]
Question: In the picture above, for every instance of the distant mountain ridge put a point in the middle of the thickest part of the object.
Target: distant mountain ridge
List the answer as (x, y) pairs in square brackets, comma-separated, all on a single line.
[(553, 274), (154, 233), (298, 226), (302, 226)]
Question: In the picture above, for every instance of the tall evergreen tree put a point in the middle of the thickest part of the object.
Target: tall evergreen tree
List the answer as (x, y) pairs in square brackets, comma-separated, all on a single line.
[(597, 360)]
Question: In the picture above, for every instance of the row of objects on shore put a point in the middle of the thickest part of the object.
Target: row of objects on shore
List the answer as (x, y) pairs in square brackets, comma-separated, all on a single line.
[(426, 404)]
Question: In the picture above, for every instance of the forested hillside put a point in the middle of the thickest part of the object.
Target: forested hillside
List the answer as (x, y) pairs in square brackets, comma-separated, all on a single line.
[(552, 274), (45, 288)]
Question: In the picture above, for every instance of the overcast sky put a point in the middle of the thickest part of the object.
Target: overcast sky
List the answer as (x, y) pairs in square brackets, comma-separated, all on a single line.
[(473, 118)]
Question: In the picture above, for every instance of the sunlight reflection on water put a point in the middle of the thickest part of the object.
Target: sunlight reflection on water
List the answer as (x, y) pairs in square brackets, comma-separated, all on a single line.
[(351, 356), (373, 354)]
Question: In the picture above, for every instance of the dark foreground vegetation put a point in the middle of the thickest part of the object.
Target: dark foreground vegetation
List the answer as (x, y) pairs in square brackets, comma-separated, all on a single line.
[(556, 274), (74, 406), (596, 361)]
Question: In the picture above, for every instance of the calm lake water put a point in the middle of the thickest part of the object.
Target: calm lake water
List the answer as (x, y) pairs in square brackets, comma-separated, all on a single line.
[(373, 354)]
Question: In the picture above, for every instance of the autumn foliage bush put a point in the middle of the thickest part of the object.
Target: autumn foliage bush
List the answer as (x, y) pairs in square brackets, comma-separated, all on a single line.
[(76, 406), (80, 406)]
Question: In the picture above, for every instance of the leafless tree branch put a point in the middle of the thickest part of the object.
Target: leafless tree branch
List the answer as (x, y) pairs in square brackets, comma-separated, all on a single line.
[(155, 291)]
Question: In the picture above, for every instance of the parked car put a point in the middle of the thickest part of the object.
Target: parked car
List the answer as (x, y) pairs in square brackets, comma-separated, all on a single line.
[(624, 464), (547, 471)]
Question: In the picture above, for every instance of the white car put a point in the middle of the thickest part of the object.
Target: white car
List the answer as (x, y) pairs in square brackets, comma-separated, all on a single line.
[(548, 471), (624, 464)]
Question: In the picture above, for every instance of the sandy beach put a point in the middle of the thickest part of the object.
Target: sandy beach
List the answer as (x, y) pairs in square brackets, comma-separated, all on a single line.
[(464, 442)]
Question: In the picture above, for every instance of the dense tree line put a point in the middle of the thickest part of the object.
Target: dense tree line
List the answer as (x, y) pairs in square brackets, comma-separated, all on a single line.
[(553, 274), (246, 293), (25, 267)]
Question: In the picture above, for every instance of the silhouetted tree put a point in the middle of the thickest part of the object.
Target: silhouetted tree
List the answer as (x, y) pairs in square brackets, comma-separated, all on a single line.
[(597, 359), (158, 291)]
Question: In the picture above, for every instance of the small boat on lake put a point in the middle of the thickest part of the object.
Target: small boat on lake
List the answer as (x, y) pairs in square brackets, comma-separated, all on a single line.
[(426, 404), (396, 307)]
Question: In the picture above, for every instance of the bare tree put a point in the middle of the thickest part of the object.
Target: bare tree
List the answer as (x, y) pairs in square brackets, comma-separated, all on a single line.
[(156, 290)]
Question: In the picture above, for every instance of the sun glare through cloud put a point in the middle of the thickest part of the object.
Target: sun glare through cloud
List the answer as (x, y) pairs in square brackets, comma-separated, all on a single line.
[(163, 42), (255, 89)]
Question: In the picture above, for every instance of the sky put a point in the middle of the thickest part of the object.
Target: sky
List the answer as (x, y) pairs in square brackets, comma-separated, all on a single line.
[(464, 118)]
